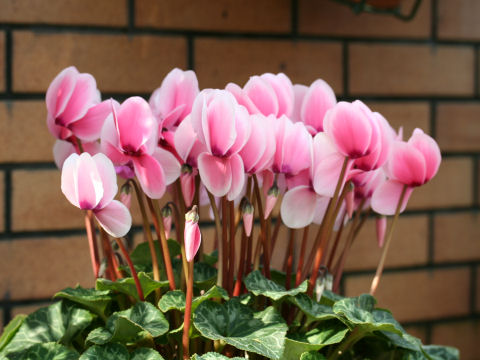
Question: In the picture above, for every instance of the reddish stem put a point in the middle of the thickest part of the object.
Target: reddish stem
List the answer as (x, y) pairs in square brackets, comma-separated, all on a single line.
[(92, 242), (263, 226), (241, 265), (276, 230), (291, 243), (132, 269), (108, 254), (298, 278), (231, 261), (224, 242), (188, 313), (335, 244)]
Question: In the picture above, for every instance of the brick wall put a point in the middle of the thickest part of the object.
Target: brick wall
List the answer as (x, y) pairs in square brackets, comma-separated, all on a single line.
[(420, 73)]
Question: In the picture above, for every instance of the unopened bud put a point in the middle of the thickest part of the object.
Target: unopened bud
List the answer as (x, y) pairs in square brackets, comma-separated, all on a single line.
[(271, 200), (187, 182), (126, 194), (247, 215), (192, 233), (167, 220), (381, 225)]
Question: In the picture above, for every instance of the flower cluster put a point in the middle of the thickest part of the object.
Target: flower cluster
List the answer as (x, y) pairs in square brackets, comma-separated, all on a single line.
[(325, 160)]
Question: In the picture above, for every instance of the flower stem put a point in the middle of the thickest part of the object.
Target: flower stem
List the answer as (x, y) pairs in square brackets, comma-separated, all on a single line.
[(160, 230), (132, 269), (112, 265), (331, 256), (179, 229), (263, 236), (224, 241), (147, 231), (326, 228), (241, 265), (289, 259), (188, 312), (388, 239), (218, 228), (303, 248), (92, 242), (231, 260)]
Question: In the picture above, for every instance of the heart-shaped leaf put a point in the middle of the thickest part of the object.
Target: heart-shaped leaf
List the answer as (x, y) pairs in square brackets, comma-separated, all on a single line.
[(11, 329), (127, 285), (60, 322), (214, 356), (259, 332), (106, 352), (175, 300), (204, 276), (94, 300), (260, 285), (312, 309), (141, 255), (145, 354), (312, 355), (46, 351)]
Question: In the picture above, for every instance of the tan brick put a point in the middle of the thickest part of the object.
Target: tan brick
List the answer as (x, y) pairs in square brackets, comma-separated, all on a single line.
[(457, 237), (463, 335), (208, 15), (458, 19), (38, 202), (452, 186), (220, 61), (119, 63), (409, 115), (2, 61), (458, 127), (47, 266), (397, 69), (68, 12), (330, 18), (409, 245), (477, 293), (24, 133), (418, 295), (2, 201)]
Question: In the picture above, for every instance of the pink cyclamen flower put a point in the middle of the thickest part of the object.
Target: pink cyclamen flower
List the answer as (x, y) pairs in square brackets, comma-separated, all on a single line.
[(74, 107), (173, 100), (223, 127), (352, 129), (410, 164), (90, 183), (129, 137), (247, 215), (192, 234)]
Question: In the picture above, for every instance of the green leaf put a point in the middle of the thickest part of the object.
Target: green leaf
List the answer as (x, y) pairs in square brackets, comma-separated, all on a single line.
[(312, 309), (211, 259), (106, 352), (437, 352), (145, 354), (204, 276), (329, 298), (214, 356), (261, 332), (404, 341), (172, 300), (260, 285), (359, 312), (11, 329), (326, 333), (47, 351), (94, 300), (127, 285), (141, 254), (213, 293), (312, 355), (59, 322), (126, 326)]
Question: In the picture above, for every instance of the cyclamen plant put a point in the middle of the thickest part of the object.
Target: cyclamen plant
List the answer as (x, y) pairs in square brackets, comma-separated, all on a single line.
[(239, 153)]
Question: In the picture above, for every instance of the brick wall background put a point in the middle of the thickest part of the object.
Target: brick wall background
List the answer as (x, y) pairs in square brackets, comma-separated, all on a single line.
[(420, 73)]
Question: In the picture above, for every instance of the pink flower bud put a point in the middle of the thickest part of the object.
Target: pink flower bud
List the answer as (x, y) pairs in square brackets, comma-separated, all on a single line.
[(271, 200), (381, 224), (126, 194), (167, 220), (192, 234), (187, 181), (247, 214)]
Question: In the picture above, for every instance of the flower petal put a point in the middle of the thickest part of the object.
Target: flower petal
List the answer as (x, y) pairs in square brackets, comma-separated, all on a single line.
[(89, 186), (115, 219), (298, 207), (150, 175), (407, 164), (386, 196), (262, 95), (89, 127), (238, 176), (216, 174), (317, 101), (68, 179), (109, 179), (170, 165)]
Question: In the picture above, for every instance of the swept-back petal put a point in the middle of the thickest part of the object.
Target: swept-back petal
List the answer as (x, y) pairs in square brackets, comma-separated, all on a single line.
[(407, 164), (150, 175), (430, 151), (115, 219), (61, 151), (298, 207), (170, 165), (238, 176), (299, 92), (88, 183), (89, 127), (60, 90), (243, 129), (216, 174), (242, 98), (69, 171), (385, 198), (108, 177), (262, 95), (317, 101), (283, 88), (256, 144)]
